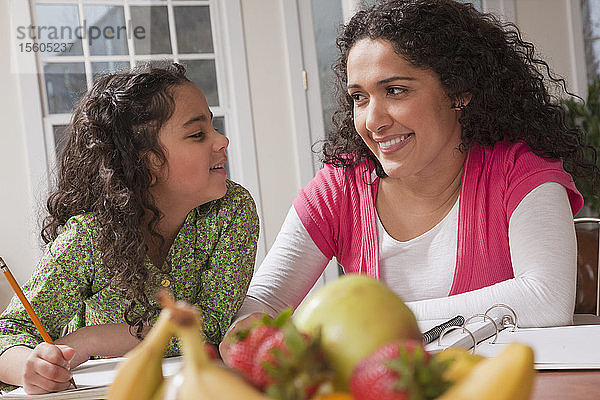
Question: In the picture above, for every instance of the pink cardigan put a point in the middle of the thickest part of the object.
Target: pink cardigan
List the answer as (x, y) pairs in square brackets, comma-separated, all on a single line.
[(337, 208)]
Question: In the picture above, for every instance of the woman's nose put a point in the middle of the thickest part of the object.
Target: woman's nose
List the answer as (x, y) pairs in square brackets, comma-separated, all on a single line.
[(378, 117)]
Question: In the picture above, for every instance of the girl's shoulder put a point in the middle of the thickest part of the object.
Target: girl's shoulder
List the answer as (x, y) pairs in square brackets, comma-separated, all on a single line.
[(77, 236), (237, 198), (237, 193)]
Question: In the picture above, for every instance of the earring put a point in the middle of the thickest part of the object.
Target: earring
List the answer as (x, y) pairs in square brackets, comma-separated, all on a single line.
[(459, 106)]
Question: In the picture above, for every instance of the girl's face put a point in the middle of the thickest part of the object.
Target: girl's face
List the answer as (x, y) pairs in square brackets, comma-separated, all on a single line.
[(194, 173), (401, 112)]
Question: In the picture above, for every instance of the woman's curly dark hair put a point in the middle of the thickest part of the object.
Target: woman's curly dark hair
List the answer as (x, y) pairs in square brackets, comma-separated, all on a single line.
[(103, 170), (471, 52)]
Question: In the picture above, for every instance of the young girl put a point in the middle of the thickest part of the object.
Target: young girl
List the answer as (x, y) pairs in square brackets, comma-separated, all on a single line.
[(142, 202)]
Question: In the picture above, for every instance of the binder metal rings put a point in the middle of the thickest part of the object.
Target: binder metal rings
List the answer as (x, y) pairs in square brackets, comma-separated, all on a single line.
[(507, 320), (485, 316), (450, 328)]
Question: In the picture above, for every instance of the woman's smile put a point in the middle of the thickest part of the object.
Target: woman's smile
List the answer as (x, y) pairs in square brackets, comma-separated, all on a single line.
[(391, 144)]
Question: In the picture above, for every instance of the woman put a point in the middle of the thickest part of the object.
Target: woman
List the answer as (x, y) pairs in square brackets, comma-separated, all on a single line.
[(142, 202), (447, 175)]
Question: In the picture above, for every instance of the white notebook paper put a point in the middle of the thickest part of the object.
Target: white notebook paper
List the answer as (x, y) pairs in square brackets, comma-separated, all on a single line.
[(565, 347), (93, 379)]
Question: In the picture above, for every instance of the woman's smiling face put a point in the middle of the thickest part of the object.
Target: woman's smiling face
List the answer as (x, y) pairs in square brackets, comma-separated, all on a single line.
[(401, 112)]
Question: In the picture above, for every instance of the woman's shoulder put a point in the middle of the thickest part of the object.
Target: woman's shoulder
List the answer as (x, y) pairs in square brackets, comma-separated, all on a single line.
[(362, 171), (507, 155)]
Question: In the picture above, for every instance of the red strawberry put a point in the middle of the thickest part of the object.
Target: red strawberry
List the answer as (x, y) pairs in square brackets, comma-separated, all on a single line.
[(241, 354), (397, 371), (212, 352), (275, 357)]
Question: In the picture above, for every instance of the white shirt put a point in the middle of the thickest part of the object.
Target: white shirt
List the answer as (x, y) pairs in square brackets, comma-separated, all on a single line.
[(543, 254)]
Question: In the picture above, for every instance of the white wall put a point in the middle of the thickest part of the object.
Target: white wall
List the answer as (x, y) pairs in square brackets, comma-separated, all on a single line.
[(549, 25), (18, 231), (266, 54)]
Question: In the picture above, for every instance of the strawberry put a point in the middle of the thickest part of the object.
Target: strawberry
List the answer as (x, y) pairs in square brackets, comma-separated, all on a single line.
[(212, 351), (241, 354), (275, 357), (398, 370)]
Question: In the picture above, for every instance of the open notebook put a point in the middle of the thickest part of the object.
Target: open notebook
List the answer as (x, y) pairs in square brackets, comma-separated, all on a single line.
[(565, 347), (93, 379)]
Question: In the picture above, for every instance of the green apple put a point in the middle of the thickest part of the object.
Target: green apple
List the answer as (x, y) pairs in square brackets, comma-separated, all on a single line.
[(355, 315)]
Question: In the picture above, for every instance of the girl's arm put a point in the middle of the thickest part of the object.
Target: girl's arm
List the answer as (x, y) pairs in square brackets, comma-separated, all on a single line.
[(56, 290), (544, 257), (107, 340), (231, 264)]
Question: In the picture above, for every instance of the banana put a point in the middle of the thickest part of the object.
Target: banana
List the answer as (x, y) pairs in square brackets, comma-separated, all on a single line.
[(508, 376), (461, 363), (140, 375), (202, 378)]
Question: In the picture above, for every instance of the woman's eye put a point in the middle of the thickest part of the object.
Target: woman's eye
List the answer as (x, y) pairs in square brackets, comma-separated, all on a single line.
[(394, 91), (357, 97), (197, 135)]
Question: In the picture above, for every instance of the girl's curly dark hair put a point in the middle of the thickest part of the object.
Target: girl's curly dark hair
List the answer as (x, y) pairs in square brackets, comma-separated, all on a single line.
[(471, 52), (103, 170)]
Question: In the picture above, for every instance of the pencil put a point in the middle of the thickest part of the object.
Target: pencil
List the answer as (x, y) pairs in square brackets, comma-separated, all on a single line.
[(27, 305)]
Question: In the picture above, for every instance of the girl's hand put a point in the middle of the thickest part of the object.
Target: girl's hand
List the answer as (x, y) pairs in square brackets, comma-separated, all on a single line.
[(242, 324), (48, 369)]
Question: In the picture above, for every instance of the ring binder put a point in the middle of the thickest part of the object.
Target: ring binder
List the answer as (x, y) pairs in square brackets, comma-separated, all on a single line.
[(485, 316), (436, 331), (450, 328), (506, 319), (490, 325)]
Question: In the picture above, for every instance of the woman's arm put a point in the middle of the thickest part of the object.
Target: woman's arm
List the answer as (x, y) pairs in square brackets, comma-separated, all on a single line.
[(544, 258), (286, 275), (288, 272)]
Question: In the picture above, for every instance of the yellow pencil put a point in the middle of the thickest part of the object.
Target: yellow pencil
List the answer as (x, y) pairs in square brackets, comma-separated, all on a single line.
[(27, 305)]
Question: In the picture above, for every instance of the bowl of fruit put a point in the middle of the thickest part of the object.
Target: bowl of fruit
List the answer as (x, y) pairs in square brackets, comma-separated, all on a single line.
[(353, 339)]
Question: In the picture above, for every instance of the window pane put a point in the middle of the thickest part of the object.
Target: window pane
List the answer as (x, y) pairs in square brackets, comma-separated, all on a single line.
[(162, 63), (204, 75), (58, 28), (60, 136), (327, 17), (99, 68), (219, 125), (65, 82), (193, 29), (476, 3), (107, 31), (150, 26)]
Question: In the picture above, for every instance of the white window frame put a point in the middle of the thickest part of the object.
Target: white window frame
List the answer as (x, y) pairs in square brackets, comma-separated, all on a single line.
[(233, 90)]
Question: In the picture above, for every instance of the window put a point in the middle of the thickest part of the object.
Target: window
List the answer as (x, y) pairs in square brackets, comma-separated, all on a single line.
[(80, 39), (60, 46), (590, 13)]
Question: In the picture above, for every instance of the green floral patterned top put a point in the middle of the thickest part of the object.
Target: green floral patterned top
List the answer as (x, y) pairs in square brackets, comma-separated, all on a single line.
[(212, 261)]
